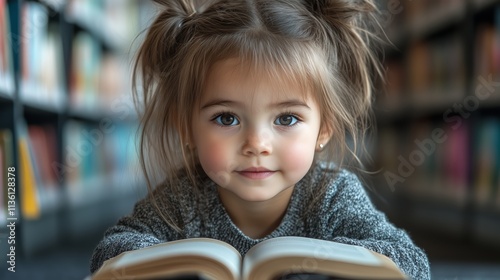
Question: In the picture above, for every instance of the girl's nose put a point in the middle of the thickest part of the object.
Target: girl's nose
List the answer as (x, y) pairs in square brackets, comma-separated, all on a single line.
[(257, 142)]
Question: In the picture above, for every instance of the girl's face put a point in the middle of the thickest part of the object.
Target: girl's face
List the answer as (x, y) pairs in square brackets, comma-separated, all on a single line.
[(254, 138)]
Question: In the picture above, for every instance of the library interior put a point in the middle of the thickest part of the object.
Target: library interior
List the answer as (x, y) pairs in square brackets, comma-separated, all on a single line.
[(69, 166)]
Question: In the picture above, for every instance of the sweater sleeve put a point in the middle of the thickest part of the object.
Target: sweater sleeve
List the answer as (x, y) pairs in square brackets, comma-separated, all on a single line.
[(142, 228), (349, 217)]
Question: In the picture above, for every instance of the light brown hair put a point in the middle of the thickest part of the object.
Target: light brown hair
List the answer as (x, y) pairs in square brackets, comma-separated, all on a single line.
[(323, 44)]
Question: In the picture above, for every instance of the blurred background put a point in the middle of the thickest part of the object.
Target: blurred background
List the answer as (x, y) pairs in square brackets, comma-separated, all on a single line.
[(68, 162)]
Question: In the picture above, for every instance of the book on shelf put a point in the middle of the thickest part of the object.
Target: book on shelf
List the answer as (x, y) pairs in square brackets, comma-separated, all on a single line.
[(487, 48), (43, 149), (456, 162), (270, 259), (487, 161), (394, 86), (6, 58), (95, 157), (43, 141), (428, 159), (42, 74), (39, 178), (114, 23), (497, 184), (101, 48), (82, 156), (30, 204), (419, 75), (418, 158), (97, 79), (84, 73), (437, 71)]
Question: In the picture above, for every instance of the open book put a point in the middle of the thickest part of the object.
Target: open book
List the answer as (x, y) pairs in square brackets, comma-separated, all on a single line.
[(276, 258)]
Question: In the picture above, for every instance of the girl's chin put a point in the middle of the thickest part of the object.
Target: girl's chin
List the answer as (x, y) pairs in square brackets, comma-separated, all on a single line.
[(259, 195)]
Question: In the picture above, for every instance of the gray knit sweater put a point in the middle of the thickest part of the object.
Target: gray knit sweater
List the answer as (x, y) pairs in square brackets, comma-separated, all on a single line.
[(345, 215)]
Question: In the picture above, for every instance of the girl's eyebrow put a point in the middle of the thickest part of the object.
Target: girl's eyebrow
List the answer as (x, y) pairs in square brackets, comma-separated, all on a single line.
[(290, 103), (220, 102), (283, 104)]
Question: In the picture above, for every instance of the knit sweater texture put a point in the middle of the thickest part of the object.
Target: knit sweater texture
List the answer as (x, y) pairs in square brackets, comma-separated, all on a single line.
[(344, 214)]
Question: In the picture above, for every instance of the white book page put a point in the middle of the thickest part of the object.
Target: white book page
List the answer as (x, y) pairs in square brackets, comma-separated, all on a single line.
[(311, 249), (210, 248)]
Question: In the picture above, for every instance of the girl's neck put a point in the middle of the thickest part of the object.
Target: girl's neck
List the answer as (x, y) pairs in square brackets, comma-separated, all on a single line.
[(256, 219)]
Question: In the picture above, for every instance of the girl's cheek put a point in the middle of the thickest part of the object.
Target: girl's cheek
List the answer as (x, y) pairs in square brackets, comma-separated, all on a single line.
[(216, 163), (298, 155), (213, 156)]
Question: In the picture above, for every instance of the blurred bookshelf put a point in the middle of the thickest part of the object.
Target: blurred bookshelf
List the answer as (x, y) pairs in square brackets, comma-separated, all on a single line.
[(67, 121), (438, 143)]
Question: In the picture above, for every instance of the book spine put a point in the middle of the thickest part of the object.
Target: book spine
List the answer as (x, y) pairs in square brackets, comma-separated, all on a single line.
[(30, 207), (42, 79)]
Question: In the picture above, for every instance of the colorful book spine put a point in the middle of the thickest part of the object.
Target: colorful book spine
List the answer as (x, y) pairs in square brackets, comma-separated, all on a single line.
[(93, 155), (30, 204), (486, 145), (456, 162), (39, 181), (42, 75), (43, 141), (85, 73)]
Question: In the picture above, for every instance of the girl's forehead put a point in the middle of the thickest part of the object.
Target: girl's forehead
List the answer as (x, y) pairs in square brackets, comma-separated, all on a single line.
[(235, 74)]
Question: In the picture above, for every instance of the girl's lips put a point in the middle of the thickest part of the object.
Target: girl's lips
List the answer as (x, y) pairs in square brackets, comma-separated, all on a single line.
[(256, 173)]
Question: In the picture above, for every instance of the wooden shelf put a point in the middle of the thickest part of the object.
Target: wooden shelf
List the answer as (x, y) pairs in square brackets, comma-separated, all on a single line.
[(97, 33), (414, 109), (6, 88), (99, 114), (92, 115), (411, 107), (41, 108), (4, 95)]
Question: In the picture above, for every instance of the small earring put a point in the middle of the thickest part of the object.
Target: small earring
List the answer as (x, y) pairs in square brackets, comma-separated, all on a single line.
[(321, 146)]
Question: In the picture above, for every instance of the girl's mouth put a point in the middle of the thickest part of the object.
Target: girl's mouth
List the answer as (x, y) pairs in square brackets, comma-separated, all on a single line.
[(256, 173)]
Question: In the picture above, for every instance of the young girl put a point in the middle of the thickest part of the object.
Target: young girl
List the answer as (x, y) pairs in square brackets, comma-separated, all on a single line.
[(247, 106)]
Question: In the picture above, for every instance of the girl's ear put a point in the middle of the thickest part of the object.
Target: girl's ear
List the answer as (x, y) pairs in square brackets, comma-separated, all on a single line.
[(189, 144), (324, 137), (187, 141)]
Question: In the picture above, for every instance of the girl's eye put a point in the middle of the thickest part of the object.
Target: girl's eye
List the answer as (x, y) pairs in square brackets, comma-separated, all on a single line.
[(286, 120), (226, 119)]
